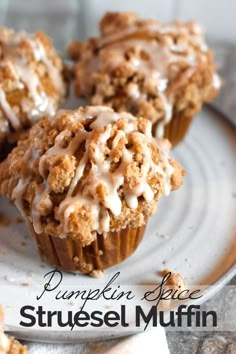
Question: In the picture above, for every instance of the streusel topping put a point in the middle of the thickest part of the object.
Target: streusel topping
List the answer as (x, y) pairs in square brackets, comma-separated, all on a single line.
[(9, 345), (87, 171), (31, 80), (4, 340), (141, 66)]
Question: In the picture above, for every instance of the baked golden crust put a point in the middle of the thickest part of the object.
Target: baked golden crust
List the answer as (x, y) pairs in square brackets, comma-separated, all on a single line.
[(32, 80), (9, 345), (150, 69), (88, 171)]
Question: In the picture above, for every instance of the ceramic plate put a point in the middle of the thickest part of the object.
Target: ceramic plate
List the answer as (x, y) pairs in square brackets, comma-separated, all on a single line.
[(193, 231)]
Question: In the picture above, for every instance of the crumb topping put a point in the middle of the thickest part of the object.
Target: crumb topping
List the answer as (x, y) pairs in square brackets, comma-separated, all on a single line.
[(96, 273), (89, 171), (145, 67), (9, 345), (31, 80), (4, 340), (175, 280)]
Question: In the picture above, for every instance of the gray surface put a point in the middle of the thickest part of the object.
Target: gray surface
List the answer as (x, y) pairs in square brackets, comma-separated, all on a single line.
[(207, 342), (58, 18), (226, 62)]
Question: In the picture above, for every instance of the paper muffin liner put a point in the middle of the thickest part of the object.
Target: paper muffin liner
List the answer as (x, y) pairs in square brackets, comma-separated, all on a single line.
[(176, 129), (106, 251)]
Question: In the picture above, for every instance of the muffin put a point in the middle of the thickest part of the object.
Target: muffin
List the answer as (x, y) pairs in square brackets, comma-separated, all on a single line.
[(163, 72), (9, 345), (86, 182), (32, 82)]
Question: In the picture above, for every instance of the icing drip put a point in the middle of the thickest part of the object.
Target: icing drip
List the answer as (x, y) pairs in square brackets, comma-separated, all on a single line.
[(168, 115), (83, 188), (41, 55), (158, 52), (4, 343), (154, 29), (216, 81), (26, 76), (9, 111)]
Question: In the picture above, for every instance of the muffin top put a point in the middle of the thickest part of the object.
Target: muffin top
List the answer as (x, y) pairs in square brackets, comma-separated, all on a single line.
[(31, 80), (88, 171), (145, 67)]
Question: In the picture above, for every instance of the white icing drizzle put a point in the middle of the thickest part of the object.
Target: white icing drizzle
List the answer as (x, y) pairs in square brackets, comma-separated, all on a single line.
[(161, 53), (41, 55), (168, 107), (9, 111), (25, 75), (19, 190), (100, 173), (6, 109), (216, 82), (41, 193), (156, 28)]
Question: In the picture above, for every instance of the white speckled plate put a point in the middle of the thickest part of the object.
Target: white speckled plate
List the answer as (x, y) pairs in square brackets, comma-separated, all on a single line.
[(193, 231)]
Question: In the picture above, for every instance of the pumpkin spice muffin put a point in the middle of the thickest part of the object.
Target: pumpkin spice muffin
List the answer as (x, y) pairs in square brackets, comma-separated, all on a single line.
[(9, 345), (31, 82), (86, 183), (163, 72)]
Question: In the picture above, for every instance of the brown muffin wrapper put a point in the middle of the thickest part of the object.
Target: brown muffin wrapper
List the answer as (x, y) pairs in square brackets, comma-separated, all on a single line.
[(104, 252), (176, 129)]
